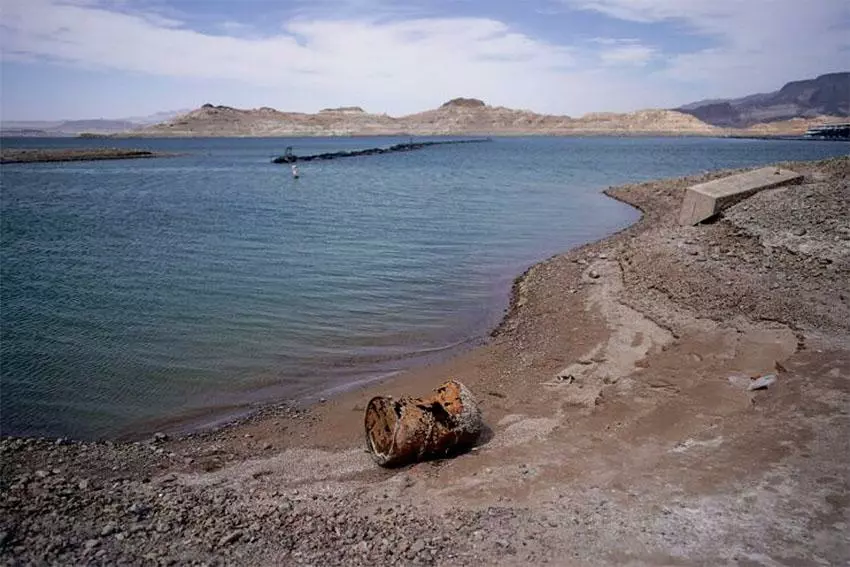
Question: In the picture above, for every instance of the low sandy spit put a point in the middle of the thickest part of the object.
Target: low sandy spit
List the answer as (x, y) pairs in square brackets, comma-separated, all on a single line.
[(13, 155), (622, 429)]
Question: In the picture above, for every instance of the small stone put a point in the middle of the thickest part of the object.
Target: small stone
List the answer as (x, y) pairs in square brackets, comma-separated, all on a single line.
[(108, 529), (267, 446), (41, 474), (799, 231), (693, 252), (83, 484), (762, 382), (603, 256), (159, 437), (91, 544), (417, 547), (593, 274)]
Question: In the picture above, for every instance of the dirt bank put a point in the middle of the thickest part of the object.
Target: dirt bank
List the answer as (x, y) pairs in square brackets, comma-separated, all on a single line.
[(617, 434), (13, 155)]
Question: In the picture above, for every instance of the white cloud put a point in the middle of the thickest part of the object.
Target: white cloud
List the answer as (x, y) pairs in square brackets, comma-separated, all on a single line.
[(401, 60), (415, 62), (757, 44), (619, 52)]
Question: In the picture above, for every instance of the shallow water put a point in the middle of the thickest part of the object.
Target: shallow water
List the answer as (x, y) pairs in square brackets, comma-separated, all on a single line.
[(139, 290)]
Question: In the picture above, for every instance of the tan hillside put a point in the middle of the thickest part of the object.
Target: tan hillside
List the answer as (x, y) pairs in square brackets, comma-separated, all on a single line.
[(792, 127), (643, 122), (212, 120), (461, 116)]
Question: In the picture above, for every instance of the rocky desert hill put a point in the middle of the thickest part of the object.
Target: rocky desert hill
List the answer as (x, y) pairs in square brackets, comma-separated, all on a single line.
[(826, 95), (464, 116)]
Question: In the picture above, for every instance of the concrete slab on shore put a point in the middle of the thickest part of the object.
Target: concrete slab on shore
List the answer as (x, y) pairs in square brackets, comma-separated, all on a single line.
[(705, 200)]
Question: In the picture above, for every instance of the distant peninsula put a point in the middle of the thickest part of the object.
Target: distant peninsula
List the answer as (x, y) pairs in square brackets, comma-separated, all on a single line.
[(13, 155)]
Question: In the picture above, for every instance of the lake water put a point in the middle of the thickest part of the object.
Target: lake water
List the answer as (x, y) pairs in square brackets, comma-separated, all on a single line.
[(197, 285)]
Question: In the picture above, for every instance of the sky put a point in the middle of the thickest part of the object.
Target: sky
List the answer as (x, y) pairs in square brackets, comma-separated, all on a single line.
[(75, 59)]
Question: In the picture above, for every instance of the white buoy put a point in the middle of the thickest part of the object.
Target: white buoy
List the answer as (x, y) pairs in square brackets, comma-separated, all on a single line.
[(295, 174)]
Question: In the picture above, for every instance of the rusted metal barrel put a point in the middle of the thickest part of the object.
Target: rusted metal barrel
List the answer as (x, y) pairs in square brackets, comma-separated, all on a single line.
[(408, 430)]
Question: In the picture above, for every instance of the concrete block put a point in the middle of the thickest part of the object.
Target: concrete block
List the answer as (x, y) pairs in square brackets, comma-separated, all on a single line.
[(705, 200)]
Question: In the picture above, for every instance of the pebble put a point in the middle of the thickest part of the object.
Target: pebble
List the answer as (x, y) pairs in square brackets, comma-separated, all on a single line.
[(593, 274), (230, 538), (799, 231)]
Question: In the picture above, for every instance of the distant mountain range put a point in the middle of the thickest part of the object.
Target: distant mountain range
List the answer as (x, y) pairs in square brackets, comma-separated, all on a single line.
[(827, 95), (463, 116), (76, 127), (788, 111)]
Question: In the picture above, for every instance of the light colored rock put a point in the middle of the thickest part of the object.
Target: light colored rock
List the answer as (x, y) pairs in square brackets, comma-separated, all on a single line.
[(705, 200)]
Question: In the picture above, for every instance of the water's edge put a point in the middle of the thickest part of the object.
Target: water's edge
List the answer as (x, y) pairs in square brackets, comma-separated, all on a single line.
[(214, 418)]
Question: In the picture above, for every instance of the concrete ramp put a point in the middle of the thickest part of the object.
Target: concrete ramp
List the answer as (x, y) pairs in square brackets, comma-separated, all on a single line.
[(705, 200)]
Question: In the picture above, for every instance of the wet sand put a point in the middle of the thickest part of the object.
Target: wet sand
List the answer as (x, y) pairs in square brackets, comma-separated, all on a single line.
[(616, 434), (13, 155)]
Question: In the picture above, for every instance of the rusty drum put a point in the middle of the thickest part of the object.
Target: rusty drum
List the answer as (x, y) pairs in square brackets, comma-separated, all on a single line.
[(408, 430)]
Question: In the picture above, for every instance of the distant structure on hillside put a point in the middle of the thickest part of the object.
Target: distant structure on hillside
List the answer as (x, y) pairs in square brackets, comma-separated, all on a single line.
[(830, 132)]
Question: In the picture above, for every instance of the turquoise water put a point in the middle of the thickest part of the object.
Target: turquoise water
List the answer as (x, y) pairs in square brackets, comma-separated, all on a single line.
[(194, 286)]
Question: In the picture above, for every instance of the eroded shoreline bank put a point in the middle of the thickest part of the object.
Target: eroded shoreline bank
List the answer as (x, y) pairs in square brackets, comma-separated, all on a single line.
[(616, 433), (47, 155)]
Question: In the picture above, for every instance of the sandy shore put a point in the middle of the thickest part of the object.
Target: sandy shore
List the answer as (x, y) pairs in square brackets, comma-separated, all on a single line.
[(13, 155), (616, 434)]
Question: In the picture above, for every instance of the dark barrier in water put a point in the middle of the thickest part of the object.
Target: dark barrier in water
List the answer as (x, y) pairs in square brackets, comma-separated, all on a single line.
[(406, 147)]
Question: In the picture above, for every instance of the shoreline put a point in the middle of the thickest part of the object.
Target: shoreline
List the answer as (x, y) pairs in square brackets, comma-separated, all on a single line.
[(617, 432), (51, 155)]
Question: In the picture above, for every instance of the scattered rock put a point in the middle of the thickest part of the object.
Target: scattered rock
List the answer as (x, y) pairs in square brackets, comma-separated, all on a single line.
[(763, 382), (230, 538)]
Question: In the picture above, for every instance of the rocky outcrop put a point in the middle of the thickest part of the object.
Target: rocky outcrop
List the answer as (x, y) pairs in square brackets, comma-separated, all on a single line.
[(464, 103), (826, 95), (460, 116), (344, 110)]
